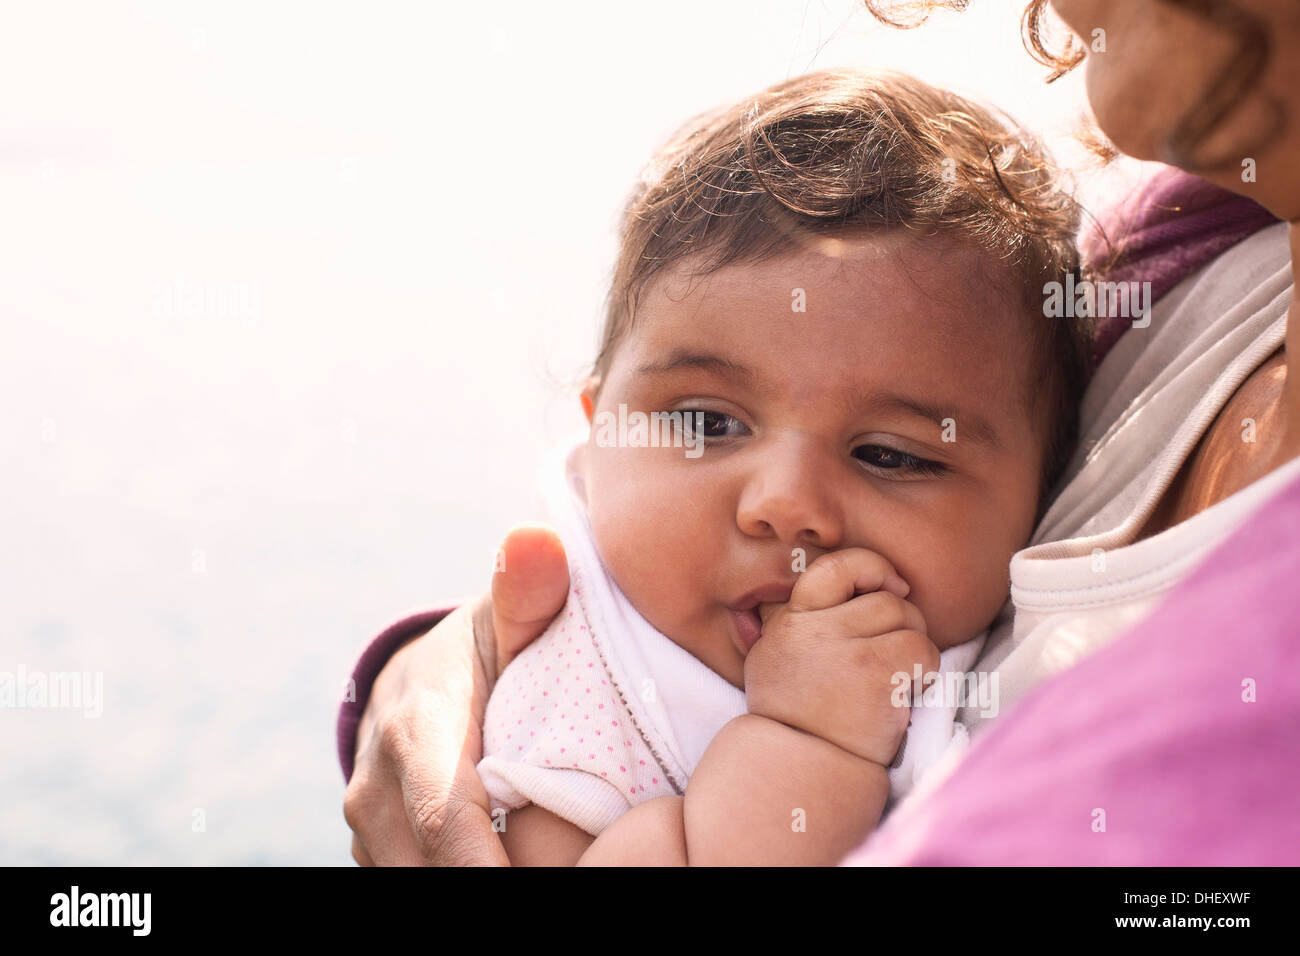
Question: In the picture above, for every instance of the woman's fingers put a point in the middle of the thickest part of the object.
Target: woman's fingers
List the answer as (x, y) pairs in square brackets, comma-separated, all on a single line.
[(530, 583), (373, 805), (415, 796), (382, 838), (416, 799)]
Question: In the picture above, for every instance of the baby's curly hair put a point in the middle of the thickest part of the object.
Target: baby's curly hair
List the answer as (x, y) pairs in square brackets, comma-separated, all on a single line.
[(868, 150)]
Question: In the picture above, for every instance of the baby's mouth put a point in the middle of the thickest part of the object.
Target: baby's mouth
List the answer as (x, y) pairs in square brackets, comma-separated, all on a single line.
[(748, 615), (749, 624), (748, 627)]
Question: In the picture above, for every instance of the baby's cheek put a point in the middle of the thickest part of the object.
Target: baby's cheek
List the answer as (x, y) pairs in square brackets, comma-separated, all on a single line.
[(652, 571), (960, 597), (620, 539), (636, 528), (624, 552)]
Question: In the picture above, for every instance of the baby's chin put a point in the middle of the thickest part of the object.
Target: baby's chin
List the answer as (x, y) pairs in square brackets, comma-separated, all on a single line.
[(944, 644), (716, 643)]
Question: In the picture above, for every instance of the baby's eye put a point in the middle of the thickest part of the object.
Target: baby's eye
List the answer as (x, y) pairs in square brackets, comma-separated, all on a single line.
[(711, 424), (898, 463)]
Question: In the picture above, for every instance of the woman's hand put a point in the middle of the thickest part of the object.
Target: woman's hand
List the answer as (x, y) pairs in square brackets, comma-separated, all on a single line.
[(415, 796)]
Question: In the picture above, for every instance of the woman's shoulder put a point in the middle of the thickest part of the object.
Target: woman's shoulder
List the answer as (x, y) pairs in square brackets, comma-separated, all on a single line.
[(1083, 578), (1165, 380), (1160, 234)]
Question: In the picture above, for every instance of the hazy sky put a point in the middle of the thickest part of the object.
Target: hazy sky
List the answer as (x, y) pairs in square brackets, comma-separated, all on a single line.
[(288, 294)]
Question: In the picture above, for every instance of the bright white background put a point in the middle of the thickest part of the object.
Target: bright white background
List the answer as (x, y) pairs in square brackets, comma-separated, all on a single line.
[(404, 217)]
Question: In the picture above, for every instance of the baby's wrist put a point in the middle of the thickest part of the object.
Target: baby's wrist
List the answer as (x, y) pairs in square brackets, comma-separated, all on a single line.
[(790, 737), (876, 753)]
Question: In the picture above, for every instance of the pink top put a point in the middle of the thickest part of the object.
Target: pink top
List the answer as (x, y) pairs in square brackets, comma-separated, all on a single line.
[(1181, 739)]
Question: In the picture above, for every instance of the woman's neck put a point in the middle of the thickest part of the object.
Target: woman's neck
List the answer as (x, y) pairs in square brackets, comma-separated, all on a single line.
[(1225, 460)]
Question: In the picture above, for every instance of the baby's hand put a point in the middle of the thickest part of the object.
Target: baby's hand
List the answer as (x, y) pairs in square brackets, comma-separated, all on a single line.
[(825, 659)]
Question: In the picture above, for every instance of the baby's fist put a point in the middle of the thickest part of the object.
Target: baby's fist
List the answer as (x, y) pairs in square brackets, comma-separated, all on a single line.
[(826, 661)]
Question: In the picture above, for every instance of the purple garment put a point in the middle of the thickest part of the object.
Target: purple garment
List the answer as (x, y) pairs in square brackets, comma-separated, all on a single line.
[(372, 661), (1175, 225), (1153, 730)]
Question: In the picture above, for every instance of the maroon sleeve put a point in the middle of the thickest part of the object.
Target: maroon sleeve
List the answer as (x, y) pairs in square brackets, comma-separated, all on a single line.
[(1173, 226), (372, 661)]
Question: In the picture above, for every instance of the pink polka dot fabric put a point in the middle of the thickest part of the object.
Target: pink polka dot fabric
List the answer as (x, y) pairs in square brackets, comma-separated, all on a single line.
[(558, 735)]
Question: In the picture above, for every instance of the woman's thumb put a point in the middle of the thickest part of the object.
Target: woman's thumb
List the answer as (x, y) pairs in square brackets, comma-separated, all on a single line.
[(529, 586)]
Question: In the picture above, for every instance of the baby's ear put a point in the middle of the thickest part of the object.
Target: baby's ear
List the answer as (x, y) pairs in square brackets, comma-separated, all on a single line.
[(590, 386)]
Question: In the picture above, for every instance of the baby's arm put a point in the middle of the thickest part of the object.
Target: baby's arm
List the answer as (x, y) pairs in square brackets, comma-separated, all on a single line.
[(534, 836), (650, 834), (764, 794)]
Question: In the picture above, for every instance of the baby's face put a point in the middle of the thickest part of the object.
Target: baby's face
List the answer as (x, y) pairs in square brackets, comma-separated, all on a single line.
[(823, 429)]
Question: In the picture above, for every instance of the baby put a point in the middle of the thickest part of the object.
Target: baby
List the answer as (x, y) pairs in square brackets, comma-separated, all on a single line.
[(826, 407)]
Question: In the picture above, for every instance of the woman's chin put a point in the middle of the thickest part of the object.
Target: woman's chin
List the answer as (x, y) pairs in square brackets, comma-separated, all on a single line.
[(1129, 128)]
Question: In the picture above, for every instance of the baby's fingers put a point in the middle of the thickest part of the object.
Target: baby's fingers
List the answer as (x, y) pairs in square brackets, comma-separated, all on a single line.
[(870, 615), (904, 651), (837, 576)]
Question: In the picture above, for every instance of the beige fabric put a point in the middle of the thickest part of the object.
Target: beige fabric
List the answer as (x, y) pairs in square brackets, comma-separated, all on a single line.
[(1082, 580)]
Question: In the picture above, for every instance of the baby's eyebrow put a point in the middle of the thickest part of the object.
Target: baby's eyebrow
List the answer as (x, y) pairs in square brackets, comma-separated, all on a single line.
[(703, 360), (969, 425)]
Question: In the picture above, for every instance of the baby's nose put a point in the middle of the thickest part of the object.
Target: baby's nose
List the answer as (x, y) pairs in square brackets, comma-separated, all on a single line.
[(792, 494)]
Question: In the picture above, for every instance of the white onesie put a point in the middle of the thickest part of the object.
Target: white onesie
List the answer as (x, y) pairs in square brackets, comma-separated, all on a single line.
[(603, 712)]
